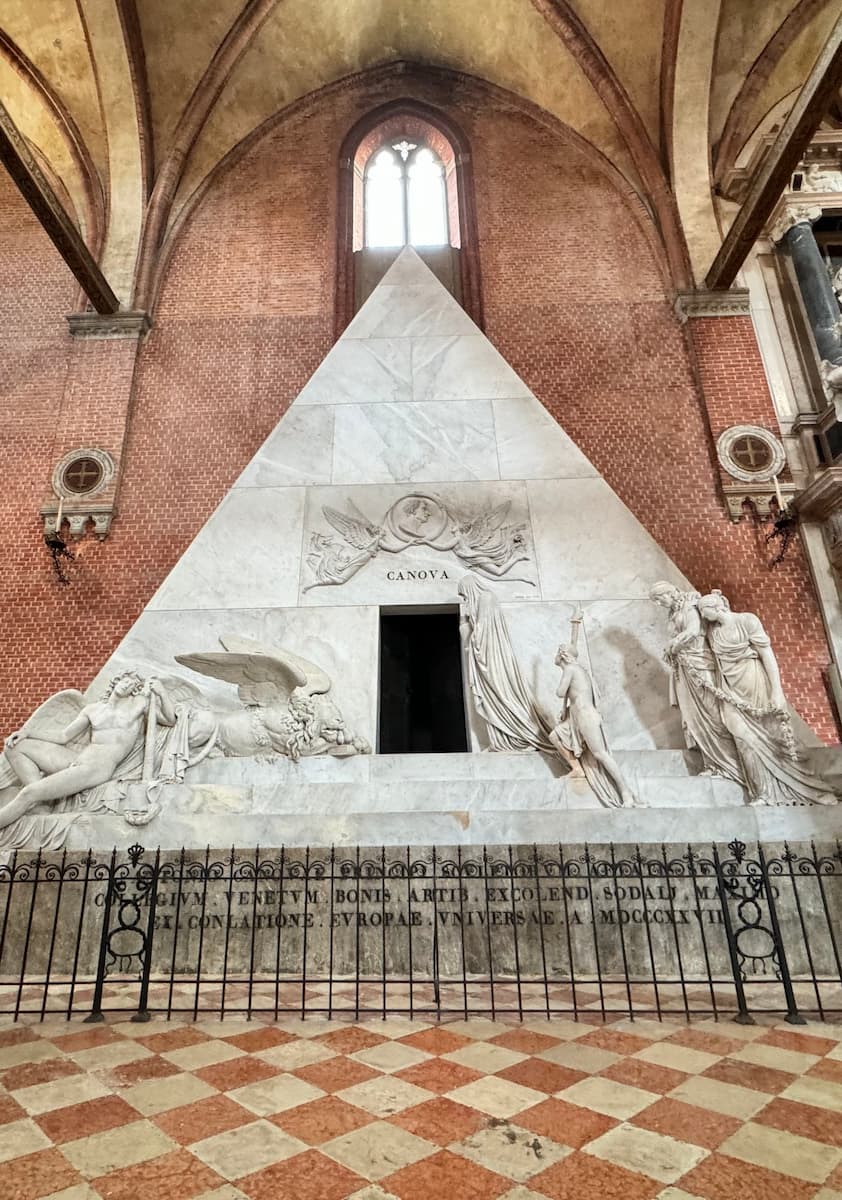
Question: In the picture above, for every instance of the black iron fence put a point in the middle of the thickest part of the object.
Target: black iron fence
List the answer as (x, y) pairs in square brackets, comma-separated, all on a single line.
[(426, 933)]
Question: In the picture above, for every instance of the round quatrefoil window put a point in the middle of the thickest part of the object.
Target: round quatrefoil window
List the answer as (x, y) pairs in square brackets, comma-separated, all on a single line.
[(82, 472), (750, 453)]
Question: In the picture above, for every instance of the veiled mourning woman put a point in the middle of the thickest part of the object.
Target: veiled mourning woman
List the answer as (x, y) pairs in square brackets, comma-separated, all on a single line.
[(502, 699), (692, 679), (754, 708)]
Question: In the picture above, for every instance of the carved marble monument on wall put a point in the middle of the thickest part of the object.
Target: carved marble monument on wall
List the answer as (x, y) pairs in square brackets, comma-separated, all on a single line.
[(416, 473)]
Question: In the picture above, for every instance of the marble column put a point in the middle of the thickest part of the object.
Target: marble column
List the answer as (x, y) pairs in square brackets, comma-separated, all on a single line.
[(796, 233)]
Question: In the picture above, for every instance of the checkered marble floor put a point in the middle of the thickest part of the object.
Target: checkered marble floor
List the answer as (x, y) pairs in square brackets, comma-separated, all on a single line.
[(464, 1110)]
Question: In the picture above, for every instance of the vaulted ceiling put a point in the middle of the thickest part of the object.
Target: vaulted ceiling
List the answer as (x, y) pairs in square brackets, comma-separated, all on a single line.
[(128, 105)]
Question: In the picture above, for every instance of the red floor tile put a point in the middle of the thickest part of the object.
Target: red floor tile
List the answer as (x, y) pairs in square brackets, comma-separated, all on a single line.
[(438, 1040), (636, 1072), (438, 1075), (16, 1036), (261, 1039), (826, 1068), (86, 1039), (701, 1039), (723, 1178), (687, 1123), (175, 1176), (615, 1041), (565, 1123), (236, 1072), (153, 1067), (441, 1121), (803, 1043), (307, 1176), (30, 1074), (322, 1120), (10, 1110), (202, 1119), (820, 1124), (175, 1038), (543, 1076), (348, 1041), (749, 1075), (81, 1120), (336, 1073), (36, 1175), (445, 1176), (524, 1041), (581, 1176)]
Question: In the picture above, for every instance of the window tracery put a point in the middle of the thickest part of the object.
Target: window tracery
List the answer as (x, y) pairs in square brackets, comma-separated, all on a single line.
[(405, 198)]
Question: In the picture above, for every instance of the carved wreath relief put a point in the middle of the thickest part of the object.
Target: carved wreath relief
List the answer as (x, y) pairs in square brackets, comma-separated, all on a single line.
[(483, 540)]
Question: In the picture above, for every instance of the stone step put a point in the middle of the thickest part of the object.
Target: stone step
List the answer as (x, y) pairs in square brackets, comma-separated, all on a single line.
[(491, 827), (426, 768)]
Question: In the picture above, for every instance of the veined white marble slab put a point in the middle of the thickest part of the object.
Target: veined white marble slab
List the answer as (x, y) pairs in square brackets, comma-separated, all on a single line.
[(298, 451), (626, 639), (409, 310), (415, 443), (590, 545), (461, 367), (447, 827), (373, 370), (531, 445), (247, 555)]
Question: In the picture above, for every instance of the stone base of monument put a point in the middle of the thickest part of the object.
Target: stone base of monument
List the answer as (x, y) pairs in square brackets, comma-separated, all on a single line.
[(452, 799)]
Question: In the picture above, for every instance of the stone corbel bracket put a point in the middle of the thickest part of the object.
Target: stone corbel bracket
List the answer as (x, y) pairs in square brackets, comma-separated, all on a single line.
[(77, 514), (733, 302), (100, 326), (760, 495)]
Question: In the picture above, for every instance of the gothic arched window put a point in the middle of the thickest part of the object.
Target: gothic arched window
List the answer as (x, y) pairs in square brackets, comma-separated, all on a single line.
[(405, 179), (405, 196)]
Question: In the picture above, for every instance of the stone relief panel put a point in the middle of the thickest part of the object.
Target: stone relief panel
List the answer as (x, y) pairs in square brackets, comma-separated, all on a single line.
[(115, 752), (330, 637), (392, 545)]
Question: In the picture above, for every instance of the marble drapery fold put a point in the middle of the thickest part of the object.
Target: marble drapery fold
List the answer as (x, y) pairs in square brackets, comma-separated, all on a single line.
[(512, 718), (754, 709), (692, 682)]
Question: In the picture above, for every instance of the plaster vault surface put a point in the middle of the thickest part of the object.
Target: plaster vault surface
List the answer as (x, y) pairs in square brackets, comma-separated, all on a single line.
[(413, 457)]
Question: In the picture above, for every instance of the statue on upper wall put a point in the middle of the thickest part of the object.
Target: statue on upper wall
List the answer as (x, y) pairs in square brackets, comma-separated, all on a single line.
[(732, 701), (818, 177), (80, 756)]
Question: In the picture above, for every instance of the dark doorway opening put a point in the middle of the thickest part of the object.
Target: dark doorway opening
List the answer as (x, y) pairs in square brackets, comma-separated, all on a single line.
[(422, 709)]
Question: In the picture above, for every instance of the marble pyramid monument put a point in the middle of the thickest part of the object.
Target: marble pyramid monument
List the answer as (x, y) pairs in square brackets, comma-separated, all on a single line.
[(412, 459)]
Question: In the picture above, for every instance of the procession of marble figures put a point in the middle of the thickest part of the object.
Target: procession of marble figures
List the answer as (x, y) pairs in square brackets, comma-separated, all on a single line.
[(74, 755)]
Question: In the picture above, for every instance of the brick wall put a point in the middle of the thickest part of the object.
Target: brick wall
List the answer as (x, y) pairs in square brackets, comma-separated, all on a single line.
[(574, 298)]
